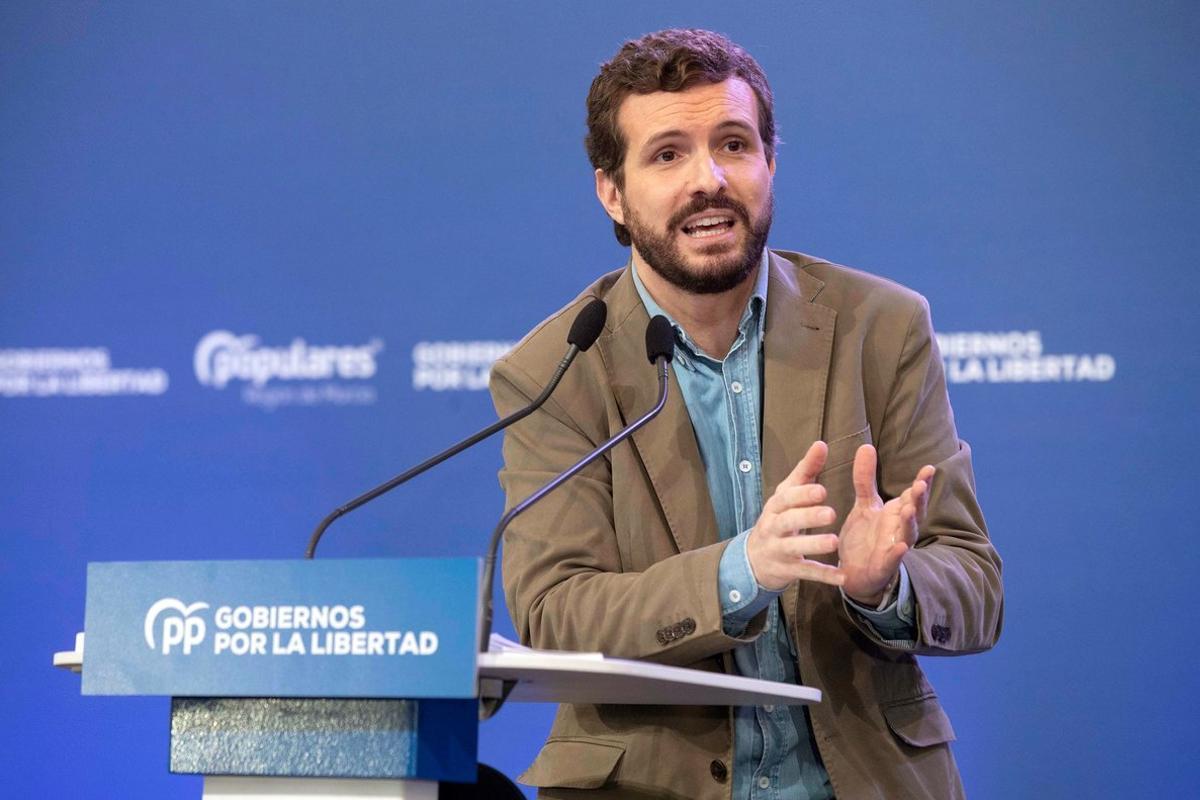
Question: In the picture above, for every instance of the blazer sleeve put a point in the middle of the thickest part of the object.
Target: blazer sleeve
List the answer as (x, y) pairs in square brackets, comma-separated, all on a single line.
[(954, 570), (567, 584)]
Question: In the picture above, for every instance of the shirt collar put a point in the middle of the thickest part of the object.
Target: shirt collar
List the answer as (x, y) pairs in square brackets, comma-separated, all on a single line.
[(756, 309)]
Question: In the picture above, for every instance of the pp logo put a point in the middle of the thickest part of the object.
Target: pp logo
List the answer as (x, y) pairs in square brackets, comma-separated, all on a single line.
[(179, 629)]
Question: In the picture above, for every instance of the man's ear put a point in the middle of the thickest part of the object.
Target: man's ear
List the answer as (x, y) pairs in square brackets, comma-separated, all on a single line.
[(609, 196)]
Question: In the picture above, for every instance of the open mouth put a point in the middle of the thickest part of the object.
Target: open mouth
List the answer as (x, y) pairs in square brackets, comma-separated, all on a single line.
[(709, 225)]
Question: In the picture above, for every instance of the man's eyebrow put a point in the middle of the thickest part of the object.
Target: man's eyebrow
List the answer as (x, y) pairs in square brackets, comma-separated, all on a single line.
[(738, 124), (660, 136), (673, 133)]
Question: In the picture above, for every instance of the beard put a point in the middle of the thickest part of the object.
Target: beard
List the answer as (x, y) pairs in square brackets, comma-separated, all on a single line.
[(718, 273)]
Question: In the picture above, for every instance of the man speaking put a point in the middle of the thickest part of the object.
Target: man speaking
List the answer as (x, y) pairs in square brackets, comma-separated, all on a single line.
[(802, 510)]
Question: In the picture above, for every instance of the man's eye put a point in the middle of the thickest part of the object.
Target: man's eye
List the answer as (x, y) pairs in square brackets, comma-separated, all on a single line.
[(735, 145), (666, 156)]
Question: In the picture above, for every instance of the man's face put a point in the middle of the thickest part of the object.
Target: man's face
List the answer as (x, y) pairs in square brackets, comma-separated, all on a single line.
[(697, 196)]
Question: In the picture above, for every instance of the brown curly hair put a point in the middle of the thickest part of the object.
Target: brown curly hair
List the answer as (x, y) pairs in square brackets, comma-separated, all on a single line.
[(666, 61)]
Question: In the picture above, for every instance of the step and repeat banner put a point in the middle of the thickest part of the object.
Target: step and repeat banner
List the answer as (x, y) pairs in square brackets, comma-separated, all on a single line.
[(258, 257)]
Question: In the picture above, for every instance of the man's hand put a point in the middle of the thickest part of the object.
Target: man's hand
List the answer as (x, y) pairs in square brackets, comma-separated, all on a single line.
[(876, 535), (777, 548)]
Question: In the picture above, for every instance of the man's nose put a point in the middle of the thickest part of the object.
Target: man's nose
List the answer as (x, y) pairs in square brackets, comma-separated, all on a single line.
[(708, 177)]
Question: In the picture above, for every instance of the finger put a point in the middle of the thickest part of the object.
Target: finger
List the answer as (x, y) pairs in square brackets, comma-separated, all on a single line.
[(798, 547), (817, 572), (918, 494), (925, 474), (864, 476), (912, 495), (908, 525), (786, 497), (799, 519), (809, 467)]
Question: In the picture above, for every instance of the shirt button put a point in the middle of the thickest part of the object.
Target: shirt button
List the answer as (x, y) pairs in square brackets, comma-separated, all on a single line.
[(764, 782), (736, 387), (734, 596), (745, 466), (768, 708)]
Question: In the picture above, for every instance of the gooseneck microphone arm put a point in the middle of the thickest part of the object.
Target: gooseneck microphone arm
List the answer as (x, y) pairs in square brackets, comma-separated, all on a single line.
[(660, 346), (584, 332), (432, 462)]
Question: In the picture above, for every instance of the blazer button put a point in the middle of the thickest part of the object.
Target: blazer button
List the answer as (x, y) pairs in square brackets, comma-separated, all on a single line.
[(940, 633), (689, 626), (718, 770)]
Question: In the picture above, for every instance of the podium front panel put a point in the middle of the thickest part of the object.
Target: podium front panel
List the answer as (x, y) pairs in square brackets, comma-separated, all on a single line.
[(323, 628)]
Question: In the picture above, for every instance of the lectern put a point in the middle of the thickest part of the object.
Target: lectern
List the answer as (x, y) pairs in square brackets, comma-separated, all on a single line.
[(338, 678)]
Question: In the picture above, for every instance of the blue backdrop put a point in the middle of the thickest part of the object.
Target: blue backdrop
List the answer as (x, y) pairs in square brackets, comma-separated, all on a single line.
[(256, 257)]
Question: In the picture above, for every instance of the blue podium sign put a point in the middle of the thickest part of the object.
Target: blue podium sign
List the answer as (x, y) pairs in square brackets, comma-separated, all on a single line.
[(322, 628)]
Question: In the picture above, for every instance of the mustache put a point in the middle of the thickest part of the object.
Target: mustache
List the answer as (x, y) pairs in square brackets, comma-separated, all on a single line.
[(705, 203)]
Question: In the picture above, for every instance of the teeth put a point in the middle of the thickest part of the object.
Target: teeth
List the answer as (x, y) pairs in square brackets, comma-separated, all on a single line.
[(706, 226)]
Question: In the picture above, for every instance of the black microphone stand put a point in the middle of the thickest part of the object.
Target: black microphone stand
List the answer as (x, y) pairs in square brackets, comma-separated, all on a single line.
[(583, 334), (433, 461)]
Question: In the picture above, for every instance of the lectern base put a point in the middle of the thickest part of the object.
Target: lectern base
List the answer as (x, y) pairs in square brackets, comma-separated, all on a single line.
[(237, 787), (334, 738)]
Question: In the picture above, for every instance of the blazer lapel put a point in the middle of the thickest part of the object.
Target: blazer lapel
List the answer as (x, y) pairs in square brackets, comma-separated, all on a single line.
[(667, 444), (797, 354), (797, 351)]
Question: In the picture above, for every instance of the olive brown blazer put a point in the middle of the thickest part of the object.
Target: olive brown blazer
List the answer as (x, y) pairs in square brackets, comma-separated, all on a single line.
[(623, 558)]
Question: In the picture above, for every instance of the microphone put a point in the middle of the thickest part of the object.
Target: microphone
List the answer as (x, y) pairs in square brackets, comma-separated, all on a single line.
[(660, 348), (660, 340), (584, 332)]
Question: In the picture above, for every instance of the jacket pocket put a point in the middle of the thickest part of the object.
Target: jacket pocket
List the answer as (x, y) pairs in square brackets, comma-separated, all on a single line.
[(919, 722), (574, 763), (843, 448)]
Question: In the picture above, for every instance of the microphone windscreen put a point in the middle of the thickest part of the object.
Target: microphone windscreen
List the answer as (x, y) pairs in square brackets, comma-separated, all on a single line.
[(588, 324), (660, 339)]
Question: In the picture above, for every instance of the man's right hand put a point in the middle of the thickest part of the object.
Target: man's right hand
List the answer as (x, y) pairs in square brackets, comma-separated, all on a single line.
[(777, 548)]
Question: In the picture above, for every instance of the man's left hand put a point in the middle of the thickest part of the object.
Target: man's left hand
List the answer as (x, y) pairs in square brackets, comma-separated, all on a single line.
[(876, 535)]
